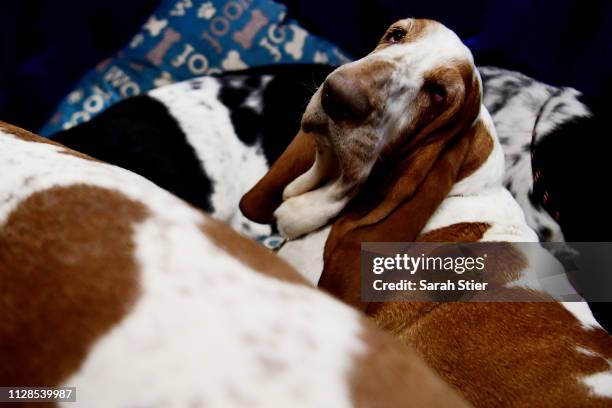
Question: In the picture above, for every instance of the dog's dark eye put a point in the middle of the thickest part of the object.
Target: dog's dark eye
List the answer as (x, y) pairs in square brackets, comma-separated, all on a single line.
[(395, 35), (437, 92)]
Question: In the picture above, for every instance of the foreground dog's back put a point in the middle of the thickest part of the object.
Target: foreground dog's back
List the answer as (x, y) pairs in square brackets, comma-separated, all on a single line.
[(114, 286)]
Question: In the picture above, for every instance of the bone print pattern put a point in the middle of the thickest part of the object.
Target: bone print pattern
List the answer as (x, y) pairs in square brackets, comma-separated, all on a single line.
[(272, 49), (157, 54), (155, 26), (296, 46), (207, 10), (233, 62), (245, 36)]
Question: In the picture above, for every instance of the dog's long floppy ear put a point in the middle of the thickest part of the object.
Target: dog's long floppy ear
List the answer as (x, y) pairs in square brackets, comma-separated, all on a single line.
[(411, 191), (266, 196)]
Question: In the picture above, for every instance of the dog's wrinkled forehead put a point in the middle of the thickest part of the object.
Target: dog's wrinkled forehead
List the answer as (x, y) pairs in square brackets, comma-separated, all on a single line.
[(425, 43)]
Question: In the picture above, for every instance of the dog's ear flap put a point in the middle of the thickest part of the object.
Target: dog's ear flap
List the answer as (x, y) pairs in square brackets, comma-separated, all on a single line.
[(259, 203), (411, 196), (410, 202)]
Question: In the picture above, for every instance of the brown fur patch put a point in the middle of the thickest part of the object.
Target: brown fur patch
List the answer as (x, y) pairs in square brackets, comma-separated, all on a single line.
[(391, 375), (505, 354), (67, 276), (460, 232), (250, 252), (31, 137)]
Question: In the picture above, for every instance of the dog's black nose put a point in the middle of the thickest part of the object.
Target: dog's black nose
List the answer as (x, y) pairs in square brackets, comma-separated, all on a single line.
[(344, 98)]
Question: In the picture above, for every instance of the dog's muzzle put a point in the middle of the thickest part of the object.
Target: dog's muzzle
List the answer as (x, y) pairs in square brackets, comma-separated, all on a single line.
[(344, 98)]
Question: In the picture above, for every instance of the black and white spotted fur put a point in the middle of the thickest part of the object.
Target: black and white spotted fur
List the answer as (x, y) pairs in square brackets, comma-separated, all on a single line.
[(526, 112)]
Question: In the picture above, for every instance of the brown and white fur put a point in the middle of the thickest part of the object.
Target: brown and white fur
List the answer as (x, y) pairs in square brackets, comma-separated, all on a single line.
[(112, 285), (398, 147)]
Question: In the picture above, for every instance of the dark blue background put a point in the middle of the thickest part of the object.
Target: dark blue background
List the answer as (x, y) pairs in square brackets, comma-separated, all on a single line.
[(47, 45)]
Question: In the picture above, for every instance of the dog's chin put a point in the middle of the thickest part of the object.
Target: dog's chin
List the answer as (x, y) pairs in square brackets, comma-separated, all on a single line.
[(324, 170), (316, 197)]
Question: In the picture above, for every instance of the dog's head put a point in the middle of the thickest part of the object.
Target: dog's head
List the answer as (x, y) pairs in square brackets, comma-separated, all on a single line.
[(382, 143), (419, 79), (413, 94)]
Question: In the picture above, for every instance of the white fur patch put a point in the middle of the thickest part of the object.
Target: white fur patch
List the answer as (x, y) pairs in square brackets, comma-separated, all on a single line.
[(313, 245), (587, 352), (543, 274), (600, 384), (581, 311)]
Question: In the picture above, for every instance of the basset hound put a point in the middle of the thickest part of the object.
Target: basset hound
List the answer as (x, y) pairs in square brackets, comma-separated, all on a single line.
[(397, 147), (112, 285)]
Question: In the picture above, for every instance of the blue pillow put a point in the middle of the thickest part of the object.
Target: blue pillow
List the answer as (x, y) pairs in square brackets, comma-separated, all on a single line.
[(185, 39)]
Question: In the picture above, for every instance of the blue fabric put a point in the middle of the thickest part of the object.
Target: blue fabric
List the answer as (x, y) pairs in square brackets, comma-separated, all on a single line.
[(184, 39)]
